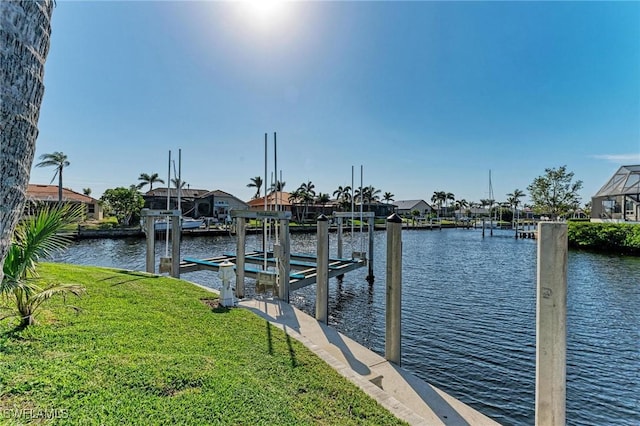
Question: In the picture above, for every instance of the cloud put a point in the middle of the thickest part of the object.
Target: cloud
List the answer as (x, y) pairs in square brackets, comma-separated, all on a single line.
[(619, 158)]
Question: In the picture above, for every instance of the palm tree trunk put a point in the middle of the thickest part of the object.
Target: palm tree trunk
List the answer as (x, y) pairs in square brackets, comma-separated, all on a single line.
[(60, 184), (25, 29)]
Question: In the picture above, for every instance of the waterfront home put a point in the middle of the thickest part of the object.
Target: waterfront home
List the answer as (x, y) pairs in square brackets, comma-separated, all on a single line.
[(405, 207), (157, 199), (49, 194), (195, 203), (619, 199), (280, 198), (217, 204)]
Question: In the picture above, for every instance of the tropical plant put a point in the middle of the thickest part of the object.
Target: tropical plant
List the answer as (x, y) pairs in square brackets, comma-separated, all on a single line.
[(322, 199), (86, 191), (123, 203), (513, 198), (343, 195), (555, 193), (149, 180), (277, 186), (461, 204), (177, 183), (256, 182), (59, 161), (36, 237), (449, 197), (307, 194), (388, 197), (26, 30), (439, 197), (294, 198)]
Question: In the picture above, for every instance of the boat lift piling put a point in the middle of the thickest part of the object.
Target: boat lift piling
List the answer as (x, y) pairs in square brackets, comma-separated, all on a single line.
[(370, 216), (322, 278), (149, 216)]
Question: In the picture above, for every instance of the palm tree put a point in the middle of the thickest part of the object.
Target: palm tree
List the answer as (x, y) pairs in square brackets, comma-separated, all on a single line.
[(26, 30), (462, 204), (256, 182), (323, 199), (277, 186), (439, 197), (343, 195), (59, 161), (178, 183), (513, 199), (449, 197), (307, 195), (149, 180), (86, 191), (388, 197), (294, 198), (36, 237)]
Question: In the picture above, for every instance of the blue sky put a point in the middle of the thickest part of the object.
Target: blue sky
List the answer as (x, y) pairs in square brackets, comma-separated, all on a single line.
[(427, 96)]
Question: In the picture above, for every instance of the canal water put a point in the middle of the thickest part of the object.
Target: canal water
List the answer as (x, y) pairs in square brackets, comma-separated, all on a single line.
[(468, 315)]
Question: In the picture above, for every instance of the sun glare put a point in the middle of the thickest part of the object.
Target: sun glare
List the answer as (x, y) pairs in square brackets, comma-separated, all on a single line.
[(264, 13)]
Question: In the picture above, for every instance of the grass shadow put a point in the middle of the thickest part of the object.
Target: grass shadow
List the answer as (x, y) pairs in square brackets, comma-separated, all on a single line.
[(269, 341), (137, 274), (292, 353)]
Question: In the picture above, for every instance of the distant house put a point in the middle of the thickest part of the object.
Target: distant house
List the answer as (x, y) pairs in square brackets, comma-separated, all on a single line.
[(49, 194), (195, 203), (217, 204), (405, 207), (619, 199), (157, 199), (280, 198)]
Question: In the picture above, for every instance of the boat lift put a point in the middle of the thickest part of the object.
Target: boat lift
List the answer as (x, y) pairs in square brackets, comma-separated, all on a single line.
[(167, 264)]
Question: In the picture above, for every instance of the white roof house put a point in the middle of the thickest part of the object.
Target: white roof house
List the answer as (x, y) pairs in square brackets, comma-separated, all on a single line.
[(407, 206)]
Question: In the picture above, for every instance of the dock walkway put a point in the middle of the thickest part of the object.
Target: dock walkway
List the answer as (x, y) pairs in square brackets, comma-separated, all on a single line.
[(405, 395)]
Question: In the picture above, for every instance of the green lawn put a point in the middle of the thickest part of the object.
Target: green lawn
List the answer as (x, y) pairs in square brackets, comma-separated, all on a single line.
[(147, 350)]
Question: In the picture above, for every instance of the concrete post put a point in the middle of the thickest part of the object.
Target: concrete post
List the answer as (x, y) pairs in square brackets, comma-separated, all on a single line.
[(371, 225), (551, 324), (176, 234), (322, 271), (392, 345), (240, 237), (285, 268), (151, 245), (226, 274)]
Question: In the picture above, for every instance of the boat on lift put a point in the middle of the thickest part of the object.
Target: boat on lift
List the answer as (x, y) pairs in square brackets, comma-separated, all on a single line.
[(185, 224)]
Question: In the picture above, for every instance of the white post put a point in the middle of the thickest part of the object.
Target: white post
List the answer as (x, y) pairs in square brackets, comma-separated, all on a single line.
[(322, 271), (226, 274), (392, 344), (551, 325), (240, 234)]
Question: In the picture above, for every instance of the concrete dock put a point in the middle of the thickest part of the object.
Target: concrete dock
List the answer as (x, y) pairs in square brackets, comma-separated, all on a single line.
[(405, 395)]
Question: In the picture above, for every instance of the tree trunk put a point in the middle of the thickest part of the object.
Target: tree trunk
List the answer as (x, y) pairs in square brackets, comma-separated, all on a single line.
[(60, 184), (25, 27)]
